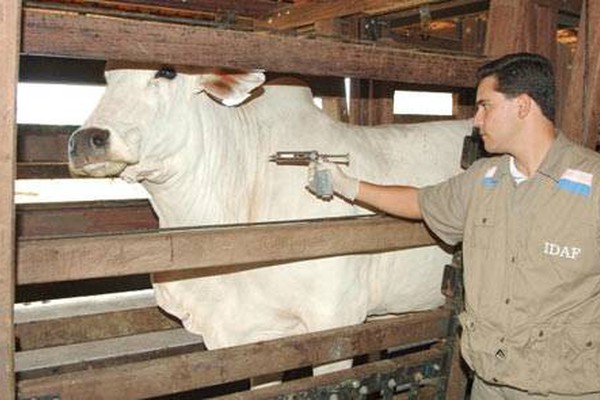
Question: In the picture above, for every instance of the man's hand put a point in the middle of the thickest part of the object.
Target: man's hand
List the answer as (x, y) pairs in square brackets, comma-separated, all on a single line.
[(342, 184)]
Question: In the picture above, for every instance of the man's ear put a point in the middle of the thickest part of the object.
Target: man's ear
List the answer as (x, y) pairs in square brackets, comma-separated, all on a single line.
[(524, 104), (230, 87)]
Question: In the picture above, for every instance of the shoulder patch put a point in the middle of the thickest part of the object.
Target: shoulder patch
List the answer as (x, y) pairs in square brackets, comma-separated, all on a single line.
[(576, 181), (489, 178)]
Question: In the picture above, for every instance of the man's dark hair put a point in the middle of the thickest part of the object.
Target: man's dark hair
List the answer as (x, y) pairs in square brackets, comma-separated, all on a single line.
[(523, 73)]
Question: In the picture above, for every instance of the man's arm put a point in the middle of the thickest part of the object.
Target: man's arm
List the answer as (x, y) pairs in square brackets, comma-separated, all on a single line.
[(401, 201)]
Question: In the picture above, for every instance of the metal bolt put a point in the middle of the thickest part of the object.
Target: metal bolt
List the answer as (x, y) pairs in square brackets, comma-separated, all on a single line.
[(334, 396), (363, 390), (392, 384), (356, 384)]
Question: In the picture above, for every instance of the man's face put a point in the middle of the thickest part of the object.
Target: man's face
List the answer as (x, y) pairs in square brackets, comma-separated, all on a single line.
[(496, 117)]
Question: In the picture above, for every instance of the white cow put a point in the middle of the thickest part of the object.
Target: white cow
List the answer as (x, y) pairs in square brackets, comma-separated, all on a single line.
[(206, 163)]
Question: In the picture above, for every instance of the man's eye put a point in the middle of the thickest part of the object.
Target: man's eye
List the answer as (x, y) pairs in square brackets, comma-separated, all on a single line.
[(166, 72)]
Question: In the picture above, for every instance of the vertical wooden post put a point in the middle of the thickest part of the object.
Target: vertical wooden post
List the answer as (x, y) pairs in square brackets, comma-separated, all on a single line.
[(334, 106), (371, 102), (515, 26), (10, 17), (381, 103), (579, 117), (472, 30)]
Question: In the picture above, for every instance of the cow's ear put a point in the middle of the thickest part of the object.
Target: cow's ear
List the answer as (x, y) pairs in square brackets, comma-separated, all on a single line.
[(230, 87)]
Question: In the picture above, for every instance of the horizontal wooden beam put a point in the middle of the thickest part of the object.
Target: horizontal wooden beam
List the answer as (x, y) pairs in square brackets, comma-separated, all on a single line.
[(94, 37), (209, 250), (306, 13), (77, 218), (76, 329), (89, 318), (192, 370), (45, 361), (42, 151), (197, 9), (43, 143), (43, 170)]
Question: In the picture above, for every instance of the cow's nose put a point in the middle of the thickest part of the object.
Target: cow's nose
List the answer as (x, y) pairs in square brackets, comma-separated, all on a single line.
[(99, 137), (93, 139)]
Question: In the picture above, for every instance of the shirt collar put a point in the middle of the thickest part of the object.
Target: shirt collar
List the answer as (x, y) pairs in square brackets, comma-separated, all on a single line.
[(553, 164), (517, 175)]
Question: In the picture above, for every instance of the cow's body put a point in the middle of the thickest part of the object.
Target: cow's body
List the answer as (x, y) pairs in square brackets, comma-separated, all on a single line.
[(204, 163)]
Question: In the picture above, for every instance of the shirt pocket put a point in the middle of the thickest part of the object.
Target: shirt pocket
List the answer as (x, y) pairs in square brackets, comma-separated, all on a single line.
[(578, 356), (561, 245), (481, 233)]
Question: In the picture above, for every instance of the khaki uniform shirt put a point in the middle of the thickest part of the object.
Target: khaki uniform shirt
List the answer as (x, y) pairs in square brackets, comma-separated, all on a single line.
[(531, 268)]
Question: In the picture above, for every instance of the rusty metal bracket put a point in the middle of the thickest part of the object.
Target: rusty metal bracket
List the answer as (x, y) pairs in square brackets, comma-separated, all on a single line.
[(425, 19), (379, 385), (452, 279), (473, 149), (452, 287), (373, 28)]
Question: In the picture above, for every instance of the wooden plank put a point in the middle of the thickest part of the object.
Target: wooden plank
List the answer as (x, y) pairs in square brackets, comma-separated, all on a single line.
[(76, 218), (43, 143), (188, 371), (43, 171), (308, 12), (546, 26), (77, 329), (580, 116), (74, 35), (42, 151), (507, 25), (194, 8), (68, 321), (94, 354), (10, 18), (50, 260)]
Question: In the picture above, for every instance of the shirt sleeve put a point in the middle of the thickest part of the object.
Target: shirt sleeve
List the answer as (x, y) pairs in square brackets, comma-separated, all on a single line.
[(444, 205)]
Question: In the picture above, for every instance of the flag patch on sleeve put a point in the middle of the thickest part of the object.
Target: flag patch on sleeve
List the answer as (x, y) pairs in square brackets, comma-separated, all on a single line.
[(576, 181), (489, 179)]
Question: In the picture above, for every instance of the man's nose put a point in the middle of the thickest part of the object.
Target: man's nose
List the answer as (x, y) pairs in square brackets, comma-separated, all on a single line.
[(477, 119)]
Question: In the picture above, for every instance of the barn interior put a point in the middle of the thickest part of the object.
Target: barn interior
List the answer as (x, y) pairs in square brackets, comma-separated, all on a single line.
[(53, 255)]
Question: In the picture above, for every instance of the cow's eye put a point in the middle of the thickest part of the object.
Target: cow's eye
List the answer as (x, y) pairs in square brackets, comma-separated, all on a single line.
[(166, 72)]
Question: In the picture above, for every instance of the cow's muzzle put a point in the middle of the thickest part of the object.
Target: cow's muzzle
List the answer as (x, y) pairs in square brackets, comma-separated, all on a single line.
[(88, 146)]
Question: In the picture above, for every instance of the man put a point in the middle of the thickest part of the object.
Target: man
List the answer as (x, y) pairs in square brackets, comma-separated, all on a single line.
[(529, 223)]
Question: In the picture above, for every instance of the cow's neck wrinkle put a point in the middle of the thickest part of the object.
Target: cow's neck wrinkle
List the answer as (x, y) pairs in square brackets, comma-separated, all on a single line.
[(228, 140), (222, 157)]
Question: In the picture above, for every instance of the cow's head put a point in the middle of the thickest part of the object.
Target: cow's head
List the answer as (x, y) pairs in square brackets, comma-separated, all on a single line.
[(137, 123)]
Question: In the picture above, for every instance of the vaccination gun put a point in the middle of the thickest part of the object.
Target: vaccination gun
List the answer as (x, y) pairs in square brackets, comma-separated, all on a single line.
[(321, 183)]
